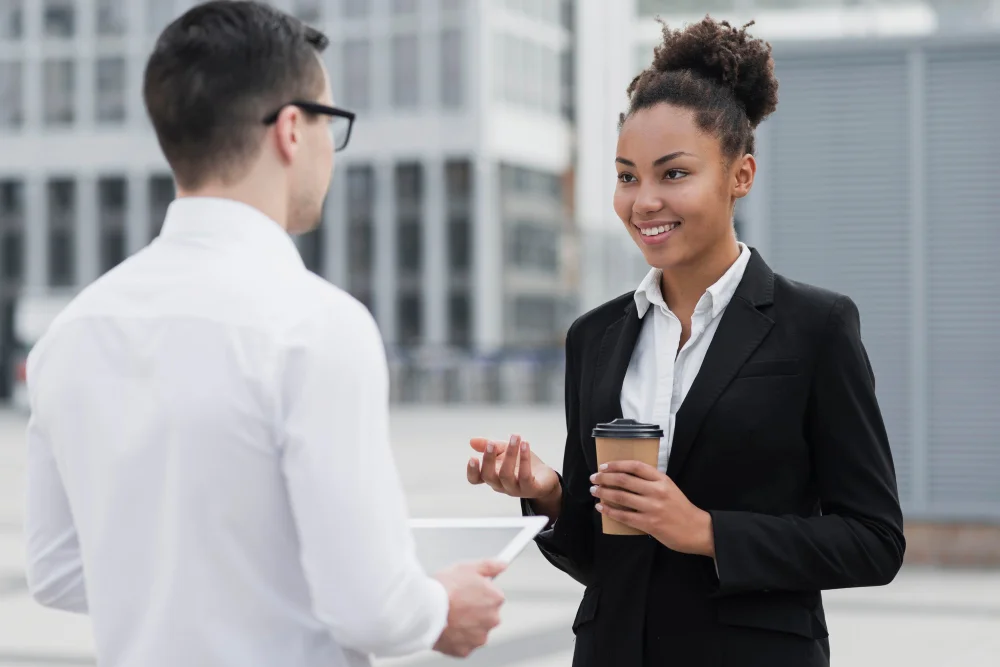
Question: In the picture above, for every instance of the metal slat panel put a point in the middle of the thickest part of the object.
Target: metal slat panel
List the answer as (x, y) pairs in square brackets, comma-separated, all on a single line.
[(963, 260), (839, 163)]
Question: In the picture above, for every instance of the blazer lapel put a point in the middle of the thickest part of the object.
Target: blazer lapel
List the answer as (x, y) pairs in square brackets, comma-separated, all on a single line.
[(742, 329), (613, 359)]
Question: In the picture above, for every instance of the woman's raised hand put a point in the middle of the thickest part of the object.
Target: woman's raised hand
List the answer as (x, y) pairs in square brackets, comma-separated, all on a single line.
[(512, 469)]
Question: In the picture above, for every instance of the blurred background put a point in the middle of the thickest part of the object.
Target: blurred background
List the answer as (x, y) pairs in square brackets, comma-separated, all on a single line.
[(472, 214)]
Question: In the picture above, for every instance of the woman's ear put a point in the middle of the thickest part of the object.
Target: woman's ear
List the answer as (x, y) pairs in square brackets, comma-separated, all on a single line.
[(744, 172)]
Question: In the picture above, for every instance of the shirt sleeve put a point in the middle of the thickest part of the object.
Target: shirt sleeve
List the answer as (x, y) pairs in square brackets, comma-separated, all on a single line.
[(54, 564), (346, 496)]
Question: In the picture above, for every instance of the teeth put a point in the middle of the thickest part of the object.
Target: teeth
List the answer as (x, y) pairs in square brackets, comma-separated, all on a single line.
[(655, 231)]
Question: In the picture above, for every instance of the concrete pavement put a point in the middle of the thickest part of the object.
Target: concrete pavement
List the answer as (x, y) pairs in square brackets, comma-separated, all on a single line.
[(926, 618)]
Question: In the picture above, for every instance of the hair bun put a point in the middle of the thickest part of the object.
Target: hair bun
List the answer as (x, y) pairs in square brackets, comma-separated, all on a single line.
[(717, 51)]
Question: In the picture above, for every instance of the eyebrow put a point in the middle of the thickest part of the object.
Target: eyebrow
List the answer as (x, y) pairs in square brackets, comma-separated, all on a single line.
[(657, 162)]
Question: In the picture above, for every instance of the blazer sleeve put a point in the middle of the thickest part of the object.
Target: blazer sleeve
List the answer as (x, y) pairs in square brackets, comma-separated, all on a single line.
[(858, 538), (569, 542)]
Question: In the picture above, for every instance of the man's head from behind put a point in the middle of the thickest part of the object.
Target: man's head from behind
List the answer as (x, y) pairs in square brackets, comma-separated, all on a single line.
[(214, 76)]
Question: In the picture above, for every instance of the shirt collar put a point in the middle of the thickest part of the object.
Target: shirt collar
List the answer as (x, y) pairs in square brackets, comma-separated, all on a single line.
[(716, 297), (223, 223)]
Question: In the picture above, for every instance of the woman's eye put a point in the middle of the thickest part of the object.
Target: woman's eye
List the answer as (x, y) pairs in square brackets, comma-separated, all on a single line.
[(674, 174), (626, 178)]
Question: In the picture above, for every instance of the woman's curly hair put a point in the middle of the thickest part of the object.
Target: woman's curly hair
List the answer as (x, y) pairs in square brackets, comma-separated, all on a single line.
[(720, 72)]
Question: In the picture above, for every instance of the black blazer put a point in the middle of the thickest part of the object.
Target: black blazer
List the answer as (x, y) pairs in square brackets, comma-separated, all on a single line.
[(781, 439)]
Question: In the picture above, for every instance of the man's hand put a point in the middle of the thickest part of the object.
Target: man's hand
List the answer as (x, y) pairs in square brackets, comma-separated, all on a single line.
[(473, 606), (642, 497), (512, 469)]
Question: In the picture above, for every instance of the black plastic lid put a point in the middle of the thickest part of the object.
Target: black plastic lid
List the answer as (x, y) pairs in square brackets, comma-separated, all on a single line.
[(627, 428)]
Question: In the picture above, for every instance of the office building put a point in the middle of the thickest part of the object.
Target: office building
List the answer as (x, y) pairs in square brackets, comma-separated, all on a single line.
[(449, 214)]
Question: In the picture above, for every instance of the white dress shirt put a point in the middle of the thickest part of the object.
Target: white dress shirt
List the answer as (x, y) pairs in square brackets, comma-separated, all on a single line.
[(209, 471), (659, 377)]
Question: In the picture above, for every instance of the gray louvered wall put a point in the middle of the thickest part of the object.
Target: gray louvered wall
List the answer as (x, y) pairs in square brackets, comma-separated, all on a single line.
[(963, 279), (838, 158), (882, 184)]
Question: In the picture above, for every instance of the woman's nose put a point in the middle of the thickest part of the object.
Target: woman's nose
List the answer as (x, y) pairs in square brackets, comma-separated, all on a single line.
[(647, 201)]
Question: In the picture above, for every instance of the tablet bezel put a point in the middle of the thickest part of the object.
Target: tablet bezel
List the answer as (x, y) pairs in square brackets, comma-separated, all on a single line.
[(530, 527)]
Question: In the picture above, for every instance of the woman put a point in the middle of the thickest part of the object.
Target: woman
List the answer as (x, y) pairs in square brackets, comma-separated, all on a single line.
[(775, 479)]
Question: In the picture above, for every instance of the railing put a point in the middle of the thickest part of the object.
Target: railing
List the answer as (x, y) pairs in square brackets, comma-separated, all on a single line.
[(506, 378)]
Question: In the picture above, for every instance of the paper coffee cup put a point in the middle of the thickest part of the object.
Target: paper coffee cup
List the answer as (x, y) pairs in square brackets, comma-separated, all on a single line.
[(626, 440)]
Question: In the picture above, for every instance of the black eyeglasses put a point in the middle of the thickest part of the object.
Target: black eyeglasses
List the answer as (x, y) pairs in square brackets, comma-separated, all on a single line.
[(341, 125)]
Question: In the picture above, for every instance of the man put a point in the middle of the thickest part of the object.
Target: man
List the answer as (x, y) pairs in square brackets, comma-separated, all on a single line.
[(209, 474)]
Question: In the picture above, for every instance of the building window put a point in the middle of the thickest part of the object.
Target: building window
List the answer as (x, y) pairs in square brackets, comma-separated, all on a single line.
[(310, 247), (459, 244), (308, 11), (409, 214), (355, 9), (158, 15), (536, 314), (11, 94), (62, 232), (547, 11), (357, 74), (452, 83), (567, 74), (530, 182), (59, 18), (360, 231), (12, 231), (648, 8), (460, 320), (112, 196), (458, 192), (59, 83), (409, 314), (110, 98), (11, 19), (405, 71), (404, 6), (534, 247), (161, 193), (528, 74), (110, 17), (567, 14)]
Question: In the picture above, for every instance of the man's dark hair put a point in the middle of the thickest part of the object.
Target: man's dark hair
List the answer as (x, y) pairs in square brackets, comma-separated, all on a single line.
[(215, 73), (720, 72)]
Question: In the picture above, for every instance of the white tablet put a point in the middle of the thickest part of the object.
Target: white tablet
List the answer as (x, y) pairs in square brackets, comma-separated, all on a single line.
[(444, 542)]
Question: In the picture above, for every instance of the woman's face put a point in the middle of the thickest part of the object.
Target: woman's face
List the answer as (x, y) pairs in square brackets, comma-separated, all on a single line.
[(676, 189)]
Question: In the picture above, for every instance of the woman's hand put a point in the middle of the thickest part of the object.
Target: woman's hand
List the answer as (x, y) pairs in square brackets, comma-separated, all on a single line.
[(642, 497), (512, 469)]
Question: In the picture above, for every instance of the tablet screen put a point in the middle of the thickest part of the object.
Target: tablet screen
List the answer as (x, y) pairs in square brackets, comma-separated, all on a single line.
[(438, 547)]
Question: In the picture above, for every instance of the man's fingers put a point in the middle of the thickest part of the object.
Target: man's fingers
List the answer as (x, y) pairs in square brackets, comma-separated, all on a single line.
[(472, 472), (490, 568)]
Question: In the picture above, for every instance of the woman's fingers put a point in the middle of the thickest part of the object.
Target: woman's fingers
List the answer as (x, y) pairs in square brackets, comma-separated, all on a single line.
[(525, 478), (489, 468), (480, 444), (508, 469), (472, 472), (619, 498), (628, 517), (624, 481)]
